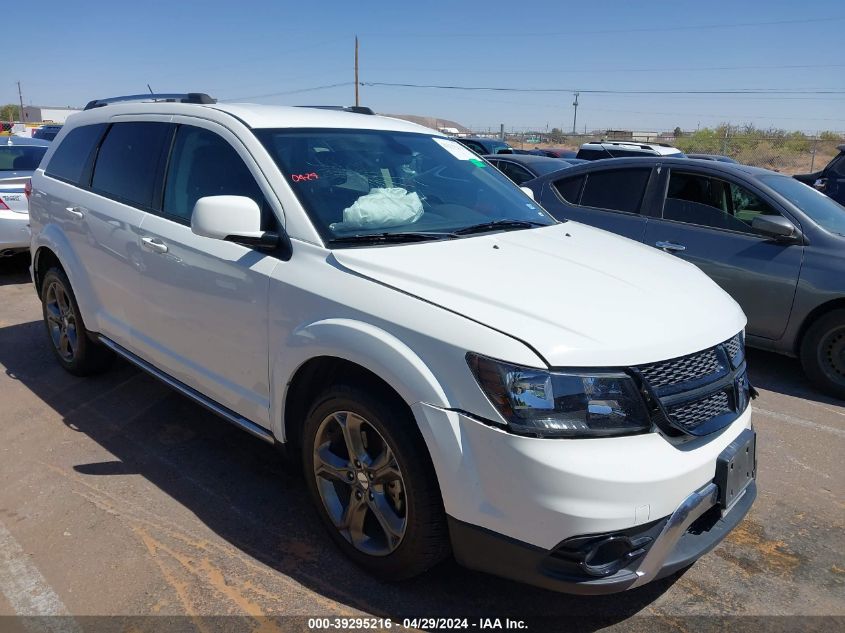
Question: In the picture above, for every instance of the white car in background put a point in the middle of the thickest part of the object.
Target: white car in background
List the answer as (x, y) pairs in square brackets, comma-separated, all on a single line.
[(453, 368), (19, 157)]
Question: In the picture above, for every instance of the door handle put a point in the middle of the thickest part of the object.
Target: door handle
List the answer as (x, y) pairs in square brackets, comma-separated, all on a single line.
[(75, 212), (670, 247), (154, 244)]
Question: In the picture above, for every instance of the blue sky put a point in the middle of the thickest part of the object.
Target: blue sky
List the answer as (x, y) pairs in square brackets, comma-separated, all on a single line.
[(76, 51)]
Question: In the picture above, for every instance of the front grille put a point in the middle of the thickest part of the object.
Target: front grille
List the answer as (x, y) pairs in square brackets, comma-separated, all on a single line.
[(701, 392), (685, 369), (693, 414)]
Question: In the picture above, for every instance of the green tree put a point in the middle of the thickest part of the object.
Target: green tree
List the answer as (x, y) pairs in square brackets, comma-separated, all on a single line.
[(678, 132), (10, 112), (556, 135)]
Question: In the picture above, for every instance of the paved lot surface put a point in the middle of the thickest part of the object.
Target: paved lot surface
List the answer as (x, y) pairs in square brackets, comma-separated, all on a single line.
[(120, 497)]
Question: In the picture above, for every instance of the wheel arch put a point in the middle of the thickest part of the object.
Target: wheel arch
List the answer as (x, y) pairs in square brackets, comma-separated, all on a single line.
[(331, 349)]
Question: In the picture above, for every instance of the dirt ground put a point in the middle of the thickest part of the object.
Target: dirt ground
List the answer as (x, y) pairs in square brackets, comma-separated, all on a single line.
[(121, 498)]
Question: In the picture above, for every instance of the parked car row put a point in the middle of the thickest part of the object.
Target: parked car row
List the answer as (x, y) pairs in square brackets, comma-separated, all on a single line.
[(453, 368), (774, 244)]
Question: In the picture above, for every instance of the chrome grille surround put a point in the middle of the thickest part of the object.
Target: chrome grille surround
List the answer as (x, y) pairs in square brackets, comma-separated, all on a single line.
[(699, 393)]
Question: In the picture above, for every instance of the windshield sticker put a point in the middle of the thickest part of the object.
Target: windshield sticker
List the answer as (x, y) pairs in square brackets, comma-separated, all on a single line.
[(478, 162), (457, 150), (304, 177)]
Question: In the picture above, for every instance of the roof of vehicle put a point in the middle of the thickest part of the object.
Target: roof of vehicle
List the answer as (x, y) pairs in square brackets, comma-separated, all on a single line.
[(712, 165), (658, 148), (528, 159), (257, 115), (719, 157), (23, 140)]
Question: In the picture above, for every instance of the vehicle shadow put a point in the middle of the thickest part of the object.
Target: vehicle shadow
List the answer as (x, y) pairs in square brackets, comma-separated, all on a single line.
[(781, 374), (14, 270), (238, 487)]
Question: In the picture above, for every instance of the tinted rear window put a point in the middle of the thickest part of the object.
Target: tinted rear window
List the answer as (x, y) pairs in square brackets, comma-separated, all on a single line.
[(592, 154), (74, 153), (20, 157), (617, 190), (129, 160)]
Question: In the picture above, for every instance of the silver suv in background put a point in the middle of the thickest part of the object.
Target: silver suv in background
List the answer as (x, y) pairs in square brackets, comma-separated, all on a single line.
[(596, 150)]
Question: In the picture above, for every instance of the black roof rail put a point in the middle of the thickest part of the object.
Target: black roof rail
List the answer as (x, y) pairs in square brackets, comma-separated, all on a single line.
[(355, 109), (189, 97)]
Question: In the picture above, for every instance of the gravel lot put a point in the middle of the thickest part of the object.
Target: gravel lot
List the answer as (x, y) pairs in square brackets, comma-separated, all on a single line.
[(120, 497)]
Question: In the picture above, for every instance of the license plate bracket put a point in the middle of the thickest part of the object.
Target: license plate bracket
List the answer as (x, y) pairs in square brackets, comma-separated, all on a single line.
[(736, 468)]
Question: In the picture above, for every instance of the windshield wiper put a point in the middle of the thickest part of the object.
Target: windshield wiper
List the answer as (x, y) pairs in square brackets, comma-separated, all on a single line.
[(497, 225), (387, 238)]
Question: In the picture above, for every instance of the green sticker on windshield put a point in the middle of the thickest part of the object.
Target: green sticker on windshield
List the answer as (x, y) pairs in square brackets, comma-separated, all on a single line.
[(477, 162)]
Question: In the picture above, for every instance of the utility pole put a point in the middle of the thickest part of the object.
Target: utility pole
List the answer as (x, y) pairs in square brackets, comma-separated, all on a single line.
[(356, 71), (20, 97), (575, 116)]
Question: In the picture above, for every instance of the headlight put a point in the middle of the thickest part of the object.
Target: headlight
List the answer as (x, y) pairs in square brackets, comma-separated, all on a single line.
[(578, 403)]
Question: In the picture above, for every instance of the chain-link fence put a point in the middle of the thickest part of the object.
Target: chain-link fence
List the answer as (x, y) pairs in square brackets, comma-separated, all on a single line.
[(788, 152)]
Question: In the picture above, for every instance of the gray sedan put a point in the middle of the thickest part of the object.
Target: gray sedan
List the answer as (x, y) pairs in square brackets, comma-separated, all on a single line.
[(775, 244)]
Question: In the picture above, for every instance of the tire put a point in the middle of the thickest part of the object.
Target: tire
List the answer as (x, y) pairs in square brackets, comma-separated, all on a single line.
[(69, 339), (823, 353), (391, 523)]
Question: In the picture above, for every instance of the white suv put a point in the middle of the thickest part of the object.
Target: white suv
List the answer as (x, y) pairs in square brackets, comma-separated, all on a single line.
[(595, 150), (454, 369)]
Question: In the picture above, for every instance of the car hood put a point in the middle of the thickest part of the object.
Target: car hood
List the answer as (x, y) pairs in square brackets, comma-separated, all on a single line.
[(577, 295)]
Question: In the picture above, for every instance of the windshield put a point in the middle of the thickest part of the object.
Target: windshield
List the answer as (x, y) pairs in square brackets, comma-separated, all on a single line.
[(384, 183), (822, 210), (21, 157)]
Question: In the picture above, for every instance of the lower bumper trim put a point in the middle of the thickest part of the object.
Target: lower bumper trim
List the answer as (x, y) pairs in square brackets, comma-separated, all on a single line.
[(676, 547)]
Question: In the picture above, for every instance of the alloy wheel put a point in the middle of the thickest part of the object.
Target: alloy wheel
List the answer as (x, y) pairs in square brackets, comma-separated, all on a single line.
[(61, 321), (360, 483)]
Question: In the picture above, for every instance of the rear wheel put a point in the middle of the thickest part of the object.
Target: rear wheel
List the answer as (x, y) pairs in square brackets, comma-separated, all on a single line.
[(75, 350), (823, 353), (372, 481)]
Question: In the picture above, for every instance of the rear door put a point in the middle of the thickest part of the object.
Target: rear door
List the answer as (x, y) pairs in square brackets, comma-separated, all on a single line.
[(204, 314), (706, 219), (610, 199)]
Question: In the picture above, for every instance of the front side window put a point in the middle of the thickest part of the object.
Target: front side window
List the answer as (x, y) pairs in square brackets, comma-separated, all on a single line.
[(478, 148), (74, 153), (516, 173), (825, 212), (838, 167), (570, 188), (616, 190), (21, 157), (204, 164), (374, 182), (705, 201), (128, 161)]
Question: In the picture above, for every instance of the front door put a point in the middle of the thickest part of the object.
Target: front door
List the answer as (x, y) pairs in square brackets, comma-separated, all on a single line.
[(707, 221), (205, 308)]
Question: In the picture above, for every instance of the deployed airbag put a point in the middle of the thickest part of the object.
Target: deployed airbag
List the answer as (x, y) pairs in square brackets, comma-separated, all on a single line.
[(382, 207)]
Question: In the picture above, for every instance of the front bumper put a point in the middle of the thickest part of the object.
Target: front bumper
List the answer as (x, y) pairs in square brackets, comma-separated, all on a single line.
[(692, 530), (14, 231)]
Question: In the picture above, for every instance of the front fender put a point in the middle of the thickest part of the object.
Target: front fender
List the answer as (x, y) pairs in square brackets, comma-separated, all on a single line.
[(363, 344)]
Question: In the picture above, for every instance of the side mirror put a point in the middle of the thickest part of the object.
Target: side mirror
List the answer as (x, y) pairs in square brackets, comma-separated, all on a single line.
[(232, 219), (775, 226), (528, 192)]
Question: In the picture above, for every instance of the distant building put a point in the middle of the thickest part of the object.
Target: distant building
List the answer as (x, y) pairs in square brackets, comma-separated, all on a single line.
[(628, 135), (47, 114)]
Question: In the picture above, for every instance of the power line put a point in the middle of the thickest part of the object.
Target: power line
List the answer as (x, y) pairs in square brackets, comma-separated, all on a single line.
[(547, 71), (602, 31), (729, 91), (290, 92)]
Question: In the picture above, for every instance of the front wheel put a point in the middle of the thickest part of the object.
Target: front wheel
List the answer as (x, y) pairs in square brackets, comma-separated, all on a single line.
[(76, 351), (372, 481), (823, 353)]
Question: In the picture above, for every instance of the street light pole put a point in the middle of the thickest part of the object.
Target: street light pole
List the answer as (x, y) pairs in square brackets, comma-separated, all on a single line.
[(575, 116), (20, 97)]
